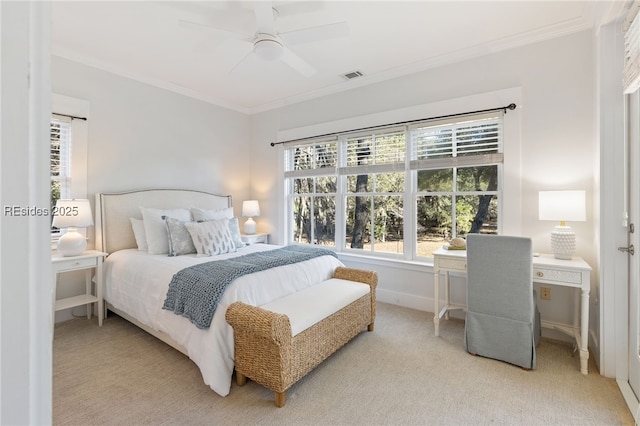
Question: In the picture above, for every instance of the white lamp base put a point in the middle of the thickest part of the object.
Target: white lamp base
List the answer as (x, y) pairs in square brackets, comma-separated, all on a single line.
[(563, 242), (72, 243), (250, 226)]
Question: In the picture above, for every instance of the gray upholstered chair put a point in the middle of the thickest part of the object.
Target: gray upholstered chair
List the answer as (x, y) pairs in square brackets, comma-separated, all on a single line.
[(502, 321)]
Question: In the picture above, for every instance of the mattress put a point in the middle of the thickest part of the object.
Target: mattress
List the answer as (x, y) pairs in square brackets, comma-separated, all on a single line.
[(137, 282)]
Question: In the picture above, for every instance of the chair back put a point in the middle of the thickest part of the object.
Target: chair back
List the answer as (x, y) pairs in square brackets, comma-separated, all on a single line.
[(500, 276)]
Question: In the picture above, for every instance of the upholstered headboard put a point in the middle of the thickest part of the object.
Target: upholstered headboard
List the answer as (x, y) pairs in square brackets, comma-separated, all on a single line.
[(113, 212)]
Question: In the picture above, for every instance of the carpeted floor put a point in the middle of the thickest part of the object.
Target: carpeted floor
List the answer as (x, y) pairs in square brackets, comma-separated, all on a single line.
[(399, 374)]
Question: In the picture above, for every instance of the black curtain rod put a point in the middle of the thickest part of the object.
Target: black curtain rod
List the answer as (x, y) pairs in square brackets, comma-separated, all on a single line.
[(73, 117), (511, 106)]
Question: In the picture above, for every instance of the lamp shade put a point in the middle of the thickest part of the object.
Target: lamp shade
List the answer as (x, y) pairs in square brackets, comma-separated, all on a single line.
[(562, 206), (250, 208), (72, 214)]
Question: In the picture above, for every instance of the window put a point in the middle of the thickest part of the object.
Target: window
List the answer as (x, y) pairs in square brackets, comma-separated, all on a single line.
[(374, 193), (400, 191), (60, 161), (311, 171), (68, 143), (458, 173)]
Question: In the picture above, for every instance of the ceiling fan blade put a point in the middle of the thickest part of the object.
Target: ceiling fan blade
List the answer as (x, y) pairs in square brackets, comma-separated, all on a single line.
[(264, 17), (241, 62), (296, 62), (319, 33), (214, 30)]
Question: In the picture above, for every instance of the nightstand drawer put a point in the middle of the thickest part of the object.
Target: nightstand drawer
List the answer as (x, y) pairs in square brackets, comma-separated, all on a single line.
[(73, 264), (255, 238), (554, 275)]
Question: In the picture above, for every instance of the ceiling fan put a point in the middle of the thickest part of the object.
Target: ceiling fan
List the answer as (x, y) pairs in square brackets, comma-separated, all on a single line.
[(270, 45)]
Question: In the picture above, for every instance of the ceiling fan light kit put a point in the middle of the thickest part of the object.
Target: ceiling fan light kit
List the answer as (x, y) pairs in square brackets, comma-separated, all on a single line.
[(267, 47)]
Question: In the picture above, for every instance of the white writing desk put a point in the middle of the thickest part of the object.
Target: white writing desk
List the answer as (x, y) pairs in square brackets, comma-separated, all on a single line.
[(575, 273)]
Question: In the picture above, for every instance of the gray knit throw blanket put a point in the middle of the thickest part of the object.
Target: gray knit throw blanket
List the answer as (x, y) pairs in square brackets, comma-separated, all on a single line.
[(194, 292)]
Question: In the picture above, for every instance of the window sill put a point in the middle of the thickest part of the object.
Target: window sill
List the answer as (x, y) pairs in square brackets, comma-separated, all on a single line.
[(415, 265)]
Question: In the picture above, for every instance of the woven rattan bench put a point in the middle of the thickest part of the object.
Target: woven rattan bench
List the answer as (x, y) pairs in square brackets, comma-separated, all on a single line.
[(276, 351)]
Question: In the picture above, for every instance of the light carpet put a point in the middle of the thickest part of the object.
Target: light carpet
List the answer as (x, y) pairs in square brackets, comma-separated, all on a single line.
[(399, 374)]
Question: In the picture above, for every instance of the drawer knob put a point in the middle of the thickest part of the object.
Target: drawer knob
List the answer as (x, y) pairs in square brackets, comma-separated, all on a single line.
[(539, 274)]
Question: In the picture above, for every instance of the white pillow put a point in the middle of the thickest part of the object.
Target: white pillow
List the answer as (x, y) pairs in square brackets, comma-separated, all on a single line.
[(156, 228), (211, 237), (199, 215), (138, 232)]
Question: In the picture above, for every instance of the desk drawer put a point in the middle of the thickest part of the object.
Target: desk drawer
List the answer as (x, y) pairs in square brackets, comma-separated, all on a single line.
[(453, 264), (560, 276)]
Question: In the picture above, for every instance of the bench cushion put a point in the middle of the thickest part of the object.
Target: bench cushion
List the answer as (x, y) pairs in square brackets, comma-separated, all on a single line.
[(313, 304)]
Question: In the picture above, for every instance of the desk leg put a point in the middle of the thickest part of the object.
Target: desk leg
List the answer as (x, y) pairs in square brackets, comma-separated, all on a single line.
[(584, 333), (436, 300), (447, 294)]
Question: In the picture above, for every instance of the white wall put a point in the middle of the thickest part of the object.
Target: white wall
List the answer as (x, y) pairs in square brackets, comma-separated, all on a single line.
[(559, 147)]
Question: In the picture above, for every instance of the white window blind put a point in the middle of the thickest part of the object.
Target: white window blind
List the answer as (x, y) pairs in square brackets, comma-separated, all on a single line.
[(317, 158), (631, 79), (60, 156), (375, 152), (451, 144)]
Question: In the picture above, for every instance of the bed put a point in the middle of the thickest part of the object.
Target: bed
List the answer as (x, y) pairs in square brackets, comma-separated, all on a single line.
[(136, 281)]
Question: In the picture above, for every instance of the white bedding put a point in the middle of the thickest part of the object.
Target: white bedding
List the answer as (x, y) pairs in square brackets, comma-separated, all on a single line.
[(136, 283)]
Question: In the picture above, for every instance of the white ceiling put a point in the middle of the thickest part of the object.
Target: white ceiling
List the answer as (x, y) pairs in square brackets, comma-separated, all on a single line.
[(145, 41)]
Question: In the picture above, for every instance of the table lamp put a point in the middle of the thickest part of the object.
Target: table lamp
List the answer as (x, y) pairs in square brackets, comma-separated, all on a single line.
[(72, 214), (562, 206), (250, 209)]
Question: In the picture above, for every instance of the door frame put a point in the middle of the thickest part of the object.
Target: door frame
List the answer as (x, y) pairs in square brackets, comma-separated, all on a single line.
[(612, 294)]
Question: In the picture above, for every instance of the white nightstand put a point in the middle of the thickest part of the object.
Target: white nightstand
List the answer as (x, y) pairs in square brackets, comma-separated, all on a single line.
[(262, 238), (91, 259)]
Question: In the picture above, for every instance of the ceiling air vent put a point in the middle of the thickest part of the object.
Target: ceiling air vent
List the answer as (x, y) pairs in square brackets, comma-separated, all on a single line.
[(352, 75)]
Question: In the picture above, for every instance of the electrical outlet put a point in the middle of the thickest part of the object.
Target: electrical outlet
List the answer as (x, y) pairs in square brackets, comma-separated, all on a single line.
[(545, 293)]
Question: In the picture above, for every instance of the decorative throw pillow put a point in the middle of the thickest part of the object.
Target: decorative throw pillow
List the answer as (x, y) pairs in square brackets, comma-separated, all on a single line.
[(234, 229), (180, 241), (156, 228), (200, 215), (139, 234), (211, 237)]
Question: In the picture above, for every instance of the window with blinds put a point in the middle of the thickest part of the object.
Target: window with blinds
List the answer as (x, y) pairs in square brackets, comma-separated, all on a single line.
[(365, 190), (60, 160)]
